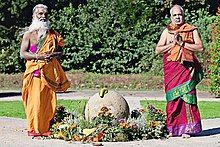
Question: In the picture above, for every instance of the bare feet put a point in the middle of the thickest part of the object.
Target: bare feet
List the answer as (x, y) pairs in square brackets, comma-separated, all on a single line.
[(34, 134), (47, 134), (185, 136), (170, 135)]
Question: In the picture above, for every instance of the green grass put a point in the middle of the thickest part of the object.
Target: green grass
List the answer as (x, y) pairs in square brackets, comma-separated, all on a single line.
[(73, 105), (207, 109), (16, 109), (12, 109)]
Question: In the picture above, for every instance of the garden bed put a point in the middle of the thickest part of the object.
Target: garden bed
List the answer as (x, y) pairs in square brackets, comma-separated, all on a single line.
[(142, 124)]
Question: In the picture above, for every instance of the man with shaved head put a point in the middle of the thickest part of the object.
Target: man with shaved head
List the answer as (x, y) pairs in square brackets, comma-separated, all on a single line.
[(182, 72), (44, 76)]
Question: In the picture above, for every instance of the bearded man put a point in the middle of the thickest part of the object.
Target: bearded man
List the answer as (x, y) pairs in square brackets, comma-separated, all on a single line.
[(182, 72), (44, 76)]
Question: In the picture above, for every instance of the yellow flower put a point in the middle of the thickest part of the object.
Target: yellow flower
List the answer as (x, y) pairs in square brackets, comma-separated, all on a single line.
[(73, 126), (87, 132), (63, 126), (154, 124)]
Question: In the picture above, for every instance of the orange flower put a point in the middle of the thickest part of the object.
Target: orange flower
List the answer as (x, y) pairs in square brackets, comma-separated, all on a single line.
[(98, 137), (141, 110), (154, 124), (104, 109), (76, 137)]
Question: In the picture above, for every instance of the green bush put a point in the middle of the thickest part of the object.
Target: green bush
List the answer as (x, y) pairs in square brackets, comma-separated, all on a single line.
[(110, 36), (214, 67), (203, 20), (10, 61), (101, 36), (17, 14), (120, 36)]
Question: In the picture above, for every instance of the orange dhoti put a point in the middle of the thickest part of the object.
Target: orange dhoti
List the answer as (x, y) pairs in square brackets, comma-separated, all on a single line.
[(40, 106), (39, 92)]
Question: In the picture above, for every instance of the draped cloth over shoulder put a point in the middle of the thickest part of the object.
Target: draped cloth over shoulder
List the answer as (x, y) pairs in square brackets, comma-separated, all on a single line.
[(180, 81), (39, 93), (185, 33)]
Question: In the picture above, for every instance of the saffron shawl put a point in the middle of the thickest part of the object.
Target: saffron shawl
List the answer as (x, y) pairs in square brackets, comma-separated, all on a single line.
[(52, 74), (185, 34)]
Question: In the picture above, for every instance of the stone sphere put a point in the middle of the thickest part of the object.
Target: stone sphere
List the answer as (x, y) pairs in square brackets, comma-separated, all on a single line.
[(114, 101)]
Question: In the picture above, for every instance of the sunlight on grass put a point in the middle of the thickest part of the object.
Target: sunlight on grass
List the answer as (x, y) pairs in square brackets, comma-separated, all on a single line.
[(207, 109), (73, 105), (16, 109), (12, 109)]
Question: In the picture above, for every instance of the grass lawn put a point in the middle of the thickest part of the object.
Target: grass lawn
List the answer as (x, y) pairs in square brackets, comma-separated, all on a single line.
[(207, 109), (15, 108)]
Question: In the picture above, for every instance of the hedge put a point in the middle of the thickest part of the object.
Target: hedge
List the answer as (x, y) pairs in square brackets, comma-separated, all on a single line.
[(103, 36)]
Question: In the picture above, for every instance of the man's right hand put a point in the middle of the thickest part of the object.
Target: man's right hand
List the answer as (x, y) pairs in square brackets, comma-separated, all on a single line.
[(48, 56)]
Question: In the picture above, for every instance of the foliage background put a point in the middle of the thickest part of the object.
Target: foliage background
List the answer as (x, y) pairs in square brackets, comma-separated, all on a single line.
[(214, 68), (103, 36)]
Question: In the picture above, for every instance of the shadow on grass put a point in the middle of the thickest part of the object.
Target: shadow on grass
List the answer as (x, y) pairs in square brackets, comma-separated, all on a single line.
[(209, 132), (9, 94)]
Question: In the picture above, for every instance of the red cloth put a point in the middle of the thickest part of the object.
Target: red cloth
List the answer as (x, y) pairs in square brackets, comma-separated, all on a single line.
[(181, 117)]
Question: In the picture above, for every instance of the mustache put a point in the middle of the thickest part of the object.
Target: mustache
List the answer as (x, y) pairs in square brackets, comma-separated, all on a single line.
[(43, 19)]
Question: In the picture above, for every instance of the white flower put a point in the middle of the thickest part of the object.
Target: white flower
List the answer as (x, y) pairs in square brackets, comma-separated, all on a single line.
[(63, 126)]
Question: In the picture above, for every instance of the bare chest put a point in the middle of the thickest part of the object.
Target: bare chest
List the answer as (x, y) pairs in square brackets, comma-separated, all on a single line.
[(34, 37), (170, 38)]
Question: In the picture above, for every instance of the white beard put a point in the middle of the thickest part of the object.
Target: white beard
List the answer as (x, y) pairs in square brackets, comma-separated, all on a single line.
[(40, 26)]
